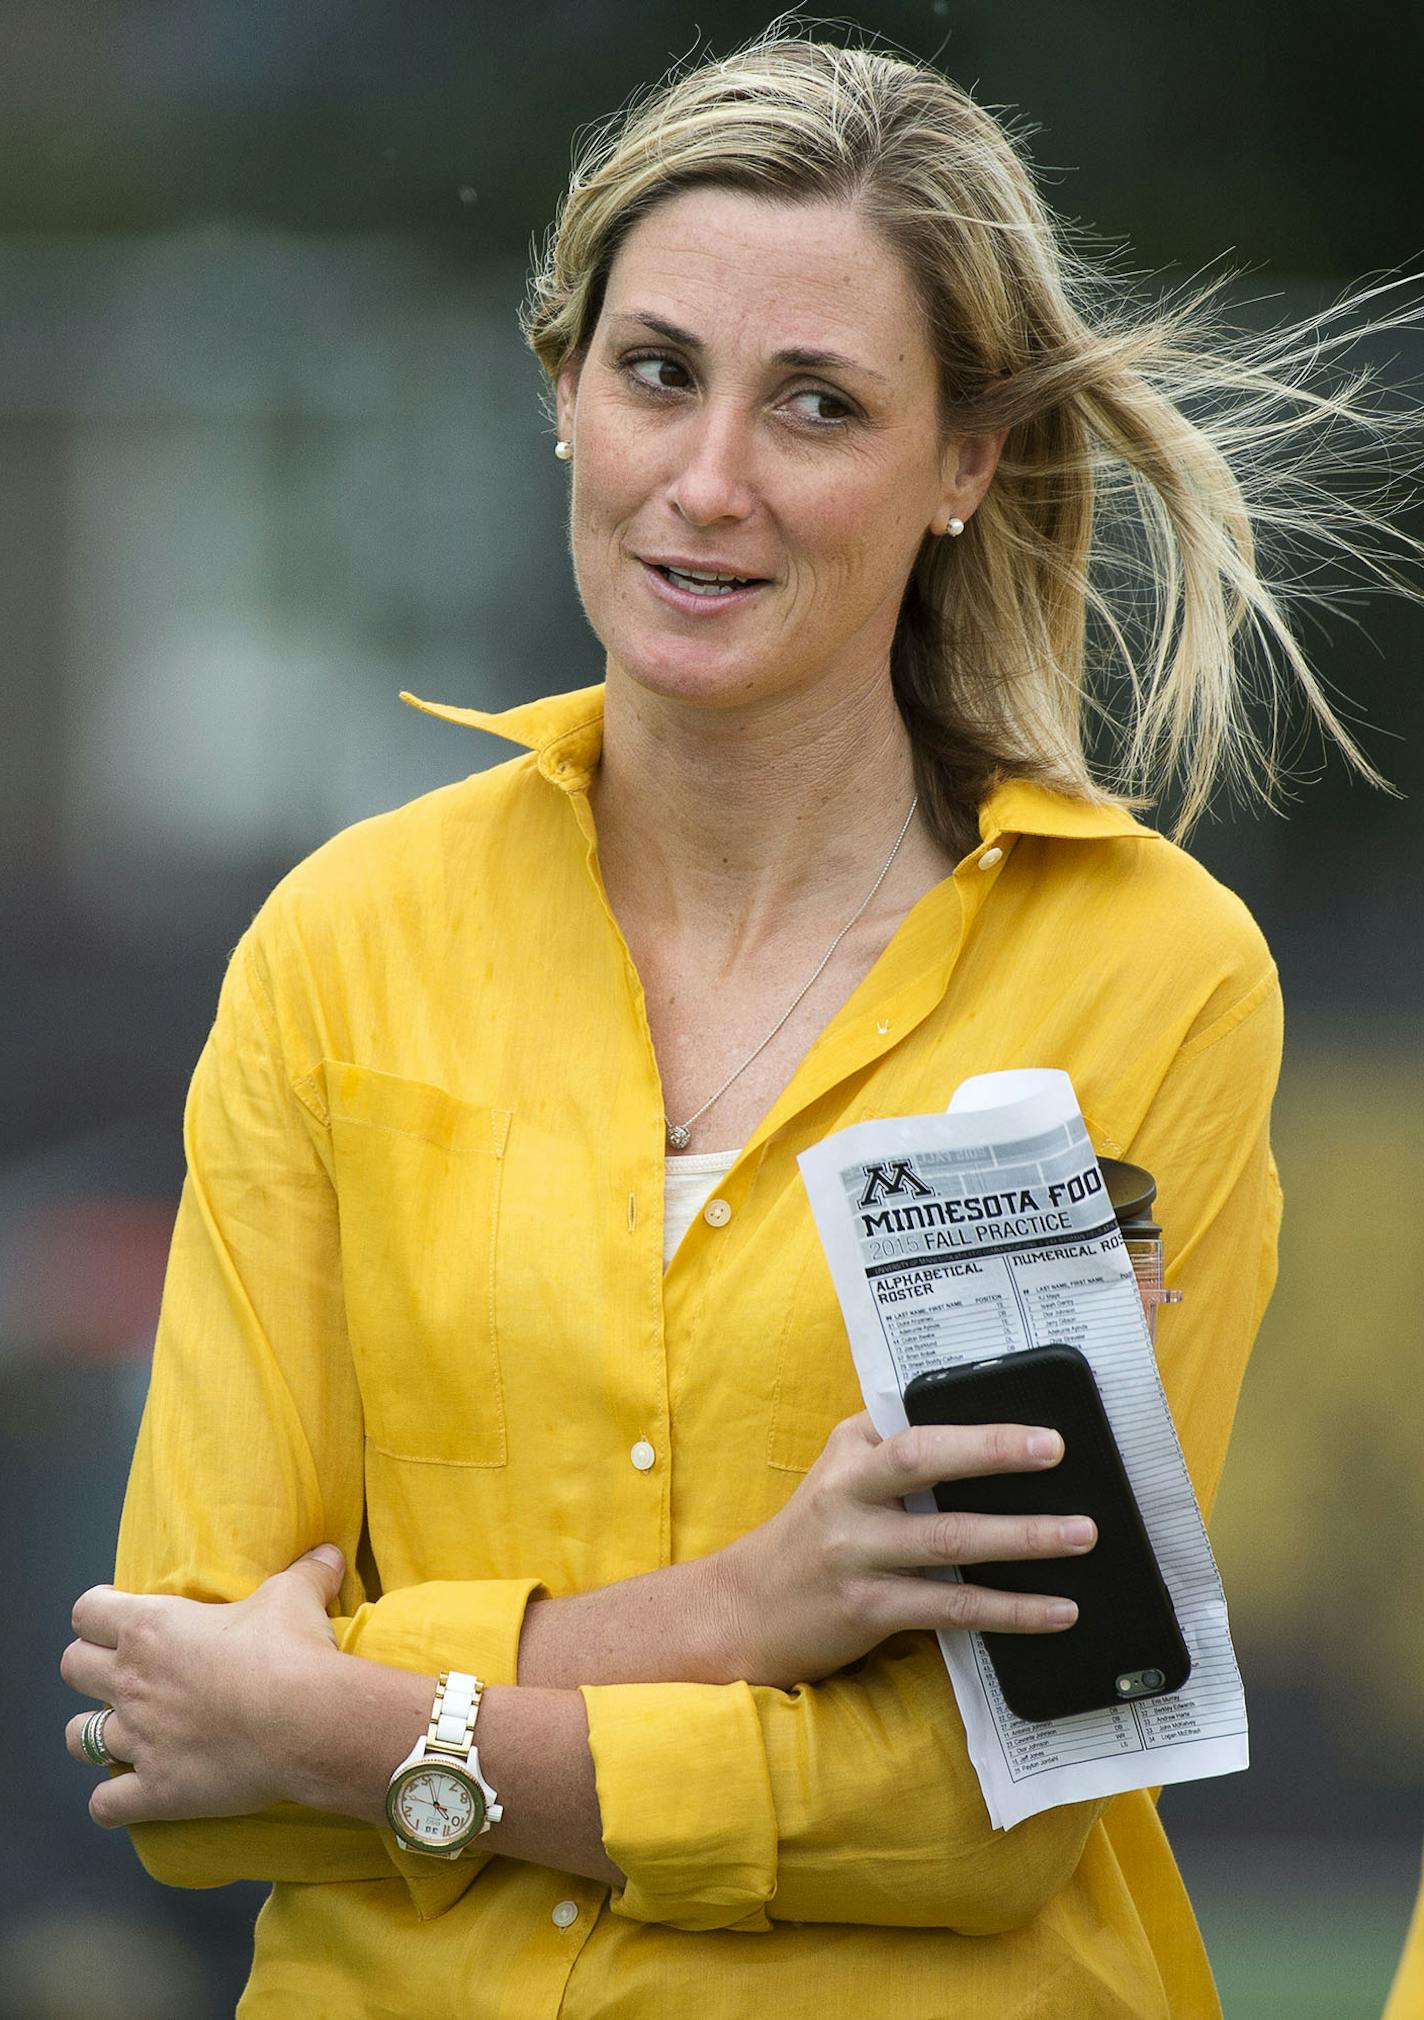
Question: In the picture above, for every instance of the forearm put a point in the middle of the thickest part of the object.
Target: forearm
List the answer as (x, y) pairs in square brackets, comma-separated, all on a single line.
[(667, 1626), (363, 1718)]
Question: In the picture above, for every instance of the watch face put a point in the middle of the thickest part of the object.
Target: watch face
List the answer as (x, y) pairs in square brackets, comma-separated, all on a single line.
[(436, 1808)]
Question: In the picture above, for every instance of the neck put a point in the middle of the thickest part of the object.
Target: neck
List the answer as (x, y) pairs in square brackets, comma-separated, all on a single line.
[(715, 821)]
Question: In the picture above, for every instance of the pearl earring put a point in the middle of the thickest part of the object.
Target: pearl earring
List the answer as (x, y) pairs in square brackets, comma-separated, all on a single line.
[(955, 528), (563, 450)]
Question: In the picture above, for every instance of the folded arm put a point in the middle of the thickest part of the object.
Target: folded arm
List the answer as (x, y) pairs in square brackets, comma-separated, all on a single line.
[(225, 1710)]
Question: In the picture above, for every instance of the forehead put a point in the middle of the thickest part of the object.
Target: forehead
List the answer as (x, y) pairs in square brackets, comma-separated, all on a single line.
[(812, 276)]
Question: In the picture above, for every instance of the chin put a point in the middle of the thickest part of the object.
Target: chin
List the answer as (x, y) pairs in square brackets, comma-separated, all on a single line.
[(702, 688), (700, 678)]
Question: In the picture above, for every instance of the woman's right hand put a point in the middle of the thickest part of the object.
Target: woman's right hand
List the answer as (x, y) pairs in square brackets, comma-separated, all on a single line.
[(835, 1571)]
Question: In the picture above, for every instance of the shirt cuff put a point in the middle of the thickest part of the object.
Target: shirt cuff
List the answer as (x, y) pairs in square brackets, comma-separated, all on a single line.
[(466, 1624), (470, 1624), (686, 1802)]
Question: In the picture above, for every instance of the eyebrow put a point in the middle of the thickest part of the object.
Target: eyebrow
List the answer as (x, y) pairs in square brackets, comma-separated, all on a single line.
[(799, 357)]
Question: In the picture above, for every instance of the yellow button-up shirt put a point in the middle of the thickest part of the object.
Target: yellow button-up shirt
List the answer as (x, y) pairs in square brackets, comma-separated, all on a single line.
[(416, 1304)]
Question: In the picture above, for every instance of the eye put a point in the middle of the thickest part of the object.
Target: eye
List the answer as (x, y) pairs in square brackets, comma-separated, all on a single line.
[(655, 372), (817, 399)]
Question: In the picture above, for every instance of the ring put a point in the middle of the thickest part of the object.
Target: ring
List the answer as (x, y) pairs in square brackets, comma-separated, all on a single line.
[(91, 1739)]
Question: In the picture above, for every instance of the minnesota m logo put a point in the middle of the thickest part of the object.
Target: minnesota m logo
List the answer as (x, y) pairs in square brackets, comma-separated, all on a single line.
[(891, 1181)]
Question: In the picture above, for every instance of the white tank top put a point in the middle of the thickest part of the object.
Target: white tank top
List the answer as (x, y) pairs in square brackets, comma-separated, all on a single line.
[(686, 1184)]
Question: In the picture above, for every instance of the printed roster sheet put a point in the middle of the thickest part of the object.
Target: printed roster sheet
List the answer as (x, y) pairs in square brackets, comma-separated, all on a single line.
[(957, 1237)]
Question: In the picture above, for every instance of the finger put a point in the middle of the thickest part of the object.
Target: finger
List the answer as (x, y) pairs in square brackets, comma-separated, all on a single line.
[(119, 1800), (98, 1614), (320, 1570), (114, 1738), (928, 1453), (957, 1537), (939, 1602), (89, 1669)]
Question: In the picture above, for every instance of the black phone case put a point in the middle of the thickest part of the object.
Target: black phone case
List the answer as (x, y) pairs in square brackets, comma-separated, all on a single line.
[(1126, 1627)]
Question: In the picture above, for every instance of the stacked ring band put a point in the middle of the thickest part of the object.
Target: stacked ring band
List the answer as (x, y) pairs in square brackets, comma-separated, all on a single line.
[(91, 1738)]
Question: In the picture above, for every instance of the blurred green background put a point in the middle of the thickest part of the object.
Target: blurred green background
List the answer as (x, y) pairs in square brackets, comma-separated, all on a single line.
[(270, 451)]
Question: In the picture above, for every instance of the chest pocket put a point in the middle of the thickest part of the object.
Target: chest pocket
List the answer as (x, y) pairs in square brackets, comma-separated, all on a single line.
[(418, 1177)]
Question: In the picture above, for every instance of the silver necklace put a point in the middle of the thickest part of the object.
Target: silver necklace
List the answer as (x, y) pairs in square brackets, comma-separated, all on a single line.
[(679, 1132)]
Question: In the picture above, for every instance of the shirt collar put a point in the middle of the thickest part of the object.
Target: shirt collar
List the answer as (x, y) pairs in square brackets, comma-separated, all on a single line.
[(566, 733), (1020, 807)]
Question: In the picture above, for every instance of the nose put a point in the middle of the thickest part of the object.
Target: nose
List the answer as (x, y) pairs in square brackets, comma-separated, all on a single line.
[(712, 478)]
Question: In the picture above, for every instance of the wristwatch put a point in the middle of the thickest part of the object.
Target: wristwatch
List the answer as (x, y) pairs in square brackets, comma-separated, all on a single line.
[(438, 1800)]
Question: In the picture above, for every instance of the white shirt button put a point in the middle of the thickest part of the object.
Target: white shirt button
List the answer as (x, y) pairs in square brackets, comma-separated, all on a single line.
[(990, 857), (564, 1913), (716, 1213), (643, 1455)]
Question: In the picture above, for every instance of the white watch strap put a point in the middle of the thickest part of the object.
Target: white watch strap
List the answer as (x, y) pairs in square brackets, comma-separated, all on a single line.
[(457, 1705)]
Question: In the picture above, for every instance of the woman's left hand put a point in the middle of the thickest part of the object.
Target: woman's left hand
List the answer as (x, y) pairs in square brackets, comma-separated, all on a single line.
[(207, 1698)]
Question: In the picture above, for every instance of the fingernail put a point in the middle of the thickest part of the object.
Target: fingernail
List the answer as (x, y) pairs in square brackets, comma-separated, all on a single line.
[(329, 1554), (1044, 1445), (1077, 1532), (1062, 1612)]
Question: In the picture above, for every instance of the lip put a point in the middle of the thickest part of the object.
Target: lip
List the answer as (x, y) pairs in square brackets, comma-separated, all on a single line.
[(687, 600)]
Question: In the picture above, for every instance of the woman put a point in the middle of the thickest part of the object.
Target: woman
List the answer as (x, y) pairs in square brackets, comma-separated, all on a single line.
[(494, 1301)]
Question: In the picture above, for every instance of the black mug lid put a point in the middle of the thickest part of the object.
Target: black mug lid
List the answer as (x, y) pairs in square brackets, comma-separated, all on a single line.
[(1131, 1189)]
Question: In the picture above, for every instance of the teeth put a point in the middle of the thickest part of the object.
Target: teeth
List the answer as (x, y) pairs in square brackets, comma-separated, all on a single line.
[(706, 584)]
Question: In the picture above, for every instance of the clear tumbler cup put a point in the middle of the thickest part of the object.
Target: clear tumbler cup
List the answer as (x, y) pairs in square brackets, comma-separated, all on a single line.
[(1132, 1192)]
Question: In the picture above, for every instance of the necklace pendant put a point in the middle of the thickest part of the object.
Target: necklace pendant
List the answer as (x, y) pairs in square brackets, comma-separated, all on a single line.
[(677, 1135)]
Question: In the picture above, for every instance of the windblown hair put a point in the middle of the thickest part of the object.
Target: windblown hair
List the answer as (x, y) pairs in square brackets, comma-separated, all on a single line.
[(1107, 593)]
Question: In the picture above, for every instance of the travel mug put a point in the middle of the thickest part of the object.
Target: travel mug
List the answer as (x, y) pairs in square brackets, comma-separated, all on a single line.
[(1132, 1192)]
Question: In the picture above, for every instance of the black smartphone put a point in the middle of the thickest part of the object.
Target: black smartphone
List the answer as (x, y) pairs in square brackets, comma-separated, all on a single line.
[(1126, 1642)]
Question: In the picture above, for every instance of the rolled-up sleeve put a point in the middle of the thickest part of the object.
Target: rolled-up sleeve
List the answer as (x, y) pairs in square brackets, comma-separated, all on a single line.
[(851, 1800), (251, 1446), (684, 1789)]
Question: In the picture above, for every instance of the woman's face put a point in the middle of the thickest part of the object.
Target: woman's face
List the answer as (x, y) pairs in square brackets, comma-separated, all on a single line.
[(758, 401)]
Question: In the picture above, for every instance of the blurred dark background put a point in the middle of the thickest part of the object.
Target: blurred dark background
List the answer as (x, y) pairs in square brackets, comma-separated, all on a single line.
[(270, 450)]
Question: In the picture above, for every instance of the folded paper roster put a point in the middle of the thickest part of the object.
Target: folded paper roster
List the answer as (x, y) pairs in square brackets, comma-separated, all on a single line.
[(953, 1238)]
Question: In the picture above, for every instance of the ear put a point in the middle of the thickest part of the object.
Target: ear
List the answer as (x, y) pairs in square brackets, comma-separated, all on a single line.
[(566, 398), (969, 465)]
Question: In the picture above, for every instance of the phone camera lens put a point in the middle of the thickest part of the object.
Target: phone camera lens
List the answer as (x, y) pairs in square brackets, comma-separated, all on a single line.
[(1138, 1682)]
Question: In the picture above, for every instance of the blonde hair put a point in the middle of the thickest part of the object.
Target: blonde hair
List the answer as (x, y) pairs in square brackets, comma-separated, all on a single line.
[(1108, 586)]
